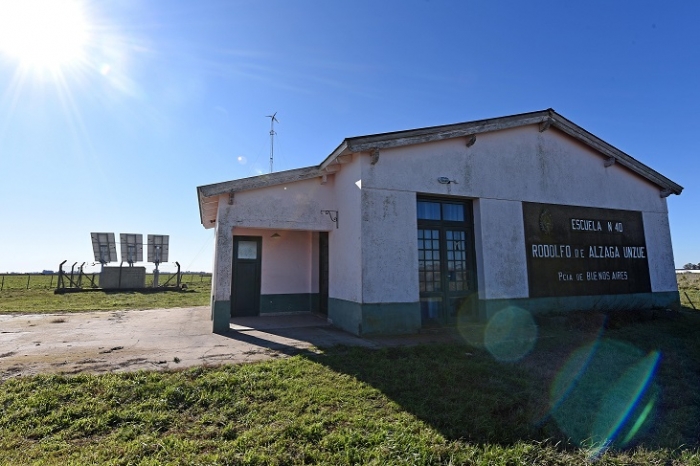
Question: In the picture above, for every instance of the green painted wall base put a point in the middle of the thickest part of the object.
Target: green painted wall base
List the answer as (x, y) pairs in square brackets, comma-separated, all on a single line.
[(297, 302), (221, 316), (374, 318), (402, 318), (390, 318), (346, 315), (619, 302)]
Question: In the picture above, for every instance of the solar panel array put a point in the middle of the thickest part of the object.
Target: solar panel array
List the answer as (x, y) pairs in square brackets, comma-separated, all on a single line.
[(104, 247)]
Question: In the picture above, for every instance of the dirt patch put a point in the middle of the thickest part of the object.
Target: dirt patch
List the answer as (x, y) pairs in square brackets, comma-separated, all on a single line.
[(155, 339)]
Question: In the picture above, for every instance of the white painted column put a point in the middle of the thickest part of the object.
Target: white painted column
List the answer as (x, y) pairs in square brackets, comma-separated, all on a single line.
[(223, 264), (499, 234), (657, 234)]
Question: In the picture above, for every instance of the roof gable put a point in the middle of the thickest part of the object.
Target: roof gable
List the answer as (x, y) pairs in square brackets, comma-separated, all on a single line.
[(544, 118), (374, 143)]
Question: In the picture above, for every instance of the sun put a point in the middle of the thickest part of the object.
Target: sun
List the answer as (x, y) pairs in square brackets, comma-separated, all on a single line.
[(46, 34)]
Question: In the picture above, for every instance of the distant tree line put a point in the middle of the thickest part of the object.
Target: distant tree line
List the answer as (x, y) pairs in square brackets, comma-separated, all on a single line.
[(690, 266)]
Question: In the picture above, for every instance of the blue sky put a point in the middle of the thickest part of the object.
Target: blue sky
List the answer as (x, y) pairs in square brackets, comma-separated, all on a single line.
[(169, 95)]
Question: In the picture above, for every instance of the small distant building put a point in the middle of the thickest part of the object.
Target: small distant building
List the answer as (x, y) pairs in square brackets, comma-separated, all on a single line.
[(434, 226)]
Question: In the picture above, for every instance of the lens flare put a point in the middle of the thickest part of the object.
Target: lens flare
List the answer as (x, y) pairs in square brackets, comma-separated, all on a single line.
[(605, 391), (510, 334), (471, 330), (570, 374), (640, 421), (622, 398)]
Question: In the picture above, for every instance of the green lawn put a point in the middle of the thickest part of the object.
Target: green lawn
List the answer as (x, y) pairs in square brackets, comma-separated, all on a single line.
[(40, 297), (442, 404), (689, 288)]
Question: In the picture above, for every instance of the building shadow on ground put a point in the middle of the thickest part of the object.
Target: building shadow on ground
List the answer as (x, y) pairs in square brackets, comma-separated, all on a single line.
[(464, 393), (449, 385)]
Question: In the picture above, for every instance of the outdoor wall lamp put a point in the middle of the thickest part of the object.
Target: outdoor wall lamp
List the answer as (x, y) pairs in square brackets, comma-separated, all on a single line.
[(446, 180), (275, 235), (333, 215)]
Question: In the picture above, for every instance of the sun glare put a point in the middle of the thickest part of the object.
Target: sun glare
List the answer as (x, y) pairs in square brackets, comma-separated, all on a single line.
[(43, 33)]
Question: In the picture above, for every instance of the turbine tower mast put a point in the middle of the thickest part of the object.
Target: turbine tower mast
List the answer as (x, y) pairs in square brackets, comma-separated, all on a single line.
[(272, 137)]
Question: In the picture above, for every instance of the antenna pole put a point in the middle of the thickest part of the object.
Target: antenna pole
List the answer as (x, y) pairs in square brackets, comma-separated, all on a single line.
[(272, 137)]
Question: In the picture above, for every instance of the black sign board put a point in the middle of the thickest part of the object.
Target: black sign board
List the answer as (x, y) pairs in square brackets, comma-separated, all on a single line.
[(578, 251)]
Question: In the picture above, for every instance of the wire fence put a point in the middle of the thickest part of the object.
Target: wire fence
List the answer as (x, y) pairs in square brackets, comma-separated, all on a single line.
[(38, 281), (689, 286)]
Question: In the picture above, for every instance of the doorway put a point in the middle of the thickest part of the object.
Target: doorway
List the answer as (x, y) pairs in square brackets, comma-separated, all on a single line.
[(446, 261), (246, 272), (323, 272)]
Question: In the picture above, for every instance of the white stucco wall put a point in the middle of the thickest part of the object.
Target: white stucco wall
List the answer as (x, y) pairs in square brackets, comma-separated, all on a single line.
[(287, 261), (499, 235), (501, 170), (659, 252), (389, 246), (344, 243), (291, 206), (223, 253)]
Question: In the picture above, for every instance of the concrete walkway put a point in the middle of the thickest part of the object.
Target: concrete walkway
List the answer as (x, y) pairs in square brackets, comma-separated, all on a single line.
[(114, 341)]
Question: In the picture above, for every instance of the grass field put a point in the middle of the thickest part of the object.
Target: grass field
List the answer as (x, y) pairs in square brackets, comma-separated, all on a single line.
[(689, 288), (15, 297), (43, 282), (39, 297), (446, 404)]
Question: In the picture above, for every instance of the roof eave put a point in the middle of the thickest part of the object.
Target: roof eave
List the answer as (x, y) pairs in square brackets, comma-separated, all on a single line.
[(342, 149), (260, 181), (619, 156), (438, 133), (202, 200), (199, 204), (254, 182)]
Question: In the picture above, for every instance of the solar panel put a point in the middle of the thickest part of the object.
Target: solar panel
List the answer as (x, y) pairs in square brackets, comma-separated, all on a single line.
[(131, 247), (104, 247), (158, 248)]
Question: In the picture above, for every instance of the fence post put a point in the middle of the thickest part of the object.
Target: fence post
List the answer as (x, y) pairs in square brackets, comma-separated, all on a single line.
[(51, 284), (2, 285), (29, 277)]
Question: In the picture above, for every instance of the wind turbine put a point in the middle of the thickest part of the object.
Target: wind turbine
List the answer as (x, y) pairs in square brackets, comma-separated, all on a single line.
[(272, 137)]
